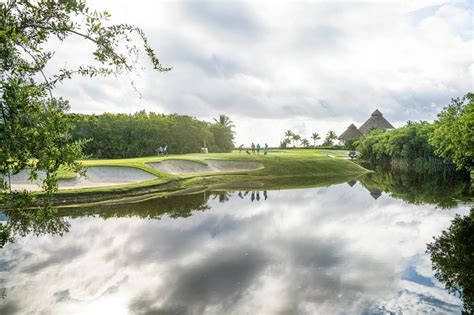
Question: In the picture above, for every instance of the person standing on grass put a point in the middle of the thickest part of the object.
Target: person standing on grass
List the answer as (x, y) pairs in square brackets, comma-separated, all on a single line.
[(159, 150), (165, 150), (258, 148), (241, 147), (265, 150), (253, 148)]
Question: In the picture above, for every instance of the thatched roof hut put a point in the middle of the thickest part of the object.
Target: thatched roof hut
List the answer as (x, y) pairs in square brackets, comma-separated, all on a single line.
[(375, 192), (376, 120), (351, 132), (352, 183)]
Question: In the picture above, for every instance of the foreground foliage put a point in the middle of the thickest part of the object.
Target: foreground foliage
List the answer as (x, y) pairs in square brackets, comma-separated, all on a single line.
[(452, 256), (453, 134), (34, 130)]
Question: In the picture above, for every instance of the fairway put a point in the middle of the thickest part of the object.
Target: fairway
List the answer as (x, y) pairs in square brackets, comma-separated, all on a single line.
[(280, 169)]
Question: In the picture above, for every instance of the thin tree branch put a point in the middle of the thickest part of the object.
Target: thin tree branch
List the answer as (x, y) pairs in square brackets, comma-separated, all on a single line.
[(41, 71), (85, 36)]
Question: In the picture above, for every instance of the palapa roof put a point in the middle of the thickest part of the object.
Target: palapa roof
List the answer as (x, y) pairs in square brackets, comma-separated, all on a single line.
[(376, 120), (375, 192), (352, 183), (351, 132)]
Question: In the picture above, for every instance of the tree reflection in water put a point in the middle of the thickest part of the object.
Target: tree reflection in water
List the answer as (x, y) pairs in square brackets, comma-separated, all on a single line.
[(436, 188), (36, 221), (222, 196), (452, 253), (52, 220), (452, 256)]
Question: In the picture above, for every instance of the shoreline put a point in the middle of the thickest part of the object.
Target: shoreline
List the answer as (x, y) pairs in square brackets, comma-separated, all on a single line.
[(310, 167)]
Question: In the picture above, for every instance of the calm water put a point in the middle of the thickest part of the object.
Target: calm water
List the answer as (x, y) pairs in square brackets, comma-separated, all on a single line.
[(352, 248)]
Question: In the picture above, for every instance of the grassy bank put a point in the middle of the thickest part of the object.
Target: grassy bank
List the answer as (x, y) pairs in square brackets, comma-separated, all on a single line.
[(282, 169)]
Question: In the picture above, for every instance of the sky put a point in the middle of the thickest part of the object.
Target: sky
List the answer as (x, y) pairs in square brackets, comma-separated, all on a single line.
[(307, 66)]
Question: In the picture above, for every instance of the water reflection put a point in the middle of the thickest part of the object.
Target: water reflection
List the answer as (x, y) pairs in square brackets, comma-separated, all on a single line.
[(327, 250), (20, 222), (440, 189), (452, 254), (254, 196)]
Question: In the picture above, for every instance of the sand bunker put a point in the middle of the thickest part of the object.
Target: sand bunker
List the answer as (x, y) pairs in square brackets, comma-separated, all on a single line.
[(96, 176), (191, 167)]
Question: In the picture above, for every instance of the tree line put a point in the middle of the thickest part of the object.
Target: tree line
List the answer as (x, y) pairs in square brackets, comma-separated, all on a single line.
[(448, 140), (133, 135), (293, 139)]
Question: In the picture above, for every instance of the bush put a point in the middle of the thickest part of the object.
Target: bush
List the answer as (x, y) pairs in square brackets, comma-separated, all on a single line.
[(408, 144)]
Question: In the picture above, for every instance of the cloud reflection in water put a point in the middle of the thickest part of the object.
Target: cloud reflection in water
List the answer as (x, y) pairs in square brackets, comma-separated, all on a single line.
[(327, 250)]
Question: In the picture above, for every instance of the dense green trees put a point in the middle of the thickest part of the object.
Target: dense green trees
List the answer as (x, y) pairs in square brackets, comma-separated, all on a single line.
[(453, 133), (405, 145), (123, 135)]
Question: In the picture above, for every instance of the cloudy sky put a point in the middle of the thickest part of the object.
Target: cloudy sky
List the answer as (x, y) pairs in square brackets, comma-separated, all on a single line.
[(271, 66)]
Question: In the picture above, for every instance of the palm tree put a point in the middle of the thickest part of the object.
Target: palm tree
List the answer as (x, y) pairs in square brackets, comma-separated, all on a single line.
[(315, 136), (224, 121), (305, 142), (223, 196), (295, 138), (288, 134), (330, 137), (285, 142)]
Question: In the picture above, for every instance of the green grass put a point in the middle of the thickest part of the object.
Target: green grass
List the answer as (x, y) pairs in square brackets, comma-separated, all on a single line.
[(66, 174), (283, 169)]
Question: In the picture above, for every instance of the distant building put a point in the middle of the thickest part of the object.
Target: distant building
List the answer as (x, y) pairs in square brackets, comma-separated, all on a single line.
[(376, 120), (351, 132)]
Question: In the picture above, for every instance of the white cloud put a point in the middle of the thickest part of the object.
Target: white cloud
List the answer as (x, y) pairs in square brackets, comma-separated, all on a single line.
[(285, 62)]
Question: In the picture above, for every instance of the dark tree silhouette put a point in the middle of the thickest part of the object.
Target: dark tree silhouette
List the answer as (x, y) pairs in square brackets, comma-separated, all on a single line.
[(452, 256)]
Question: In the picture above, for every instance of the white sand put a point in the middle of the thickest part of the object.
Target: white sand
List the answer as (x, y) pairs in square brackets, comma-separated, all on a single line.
[(191, 167), (96, 176)]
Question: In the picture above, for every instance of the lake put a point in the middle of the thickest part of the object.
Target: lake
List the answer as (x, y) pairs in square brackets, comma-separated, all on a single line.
[(352, 248)]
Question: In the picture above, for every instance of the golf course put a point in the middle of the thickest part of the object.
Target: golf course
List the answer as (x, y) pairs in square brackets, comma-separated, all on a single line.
[(181, 173)]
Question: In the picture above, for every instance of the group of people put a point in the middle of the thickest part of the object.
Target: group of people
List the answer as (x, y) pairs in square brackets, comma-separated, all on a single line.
[(254, 148), (162, 150), (255, 195)]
